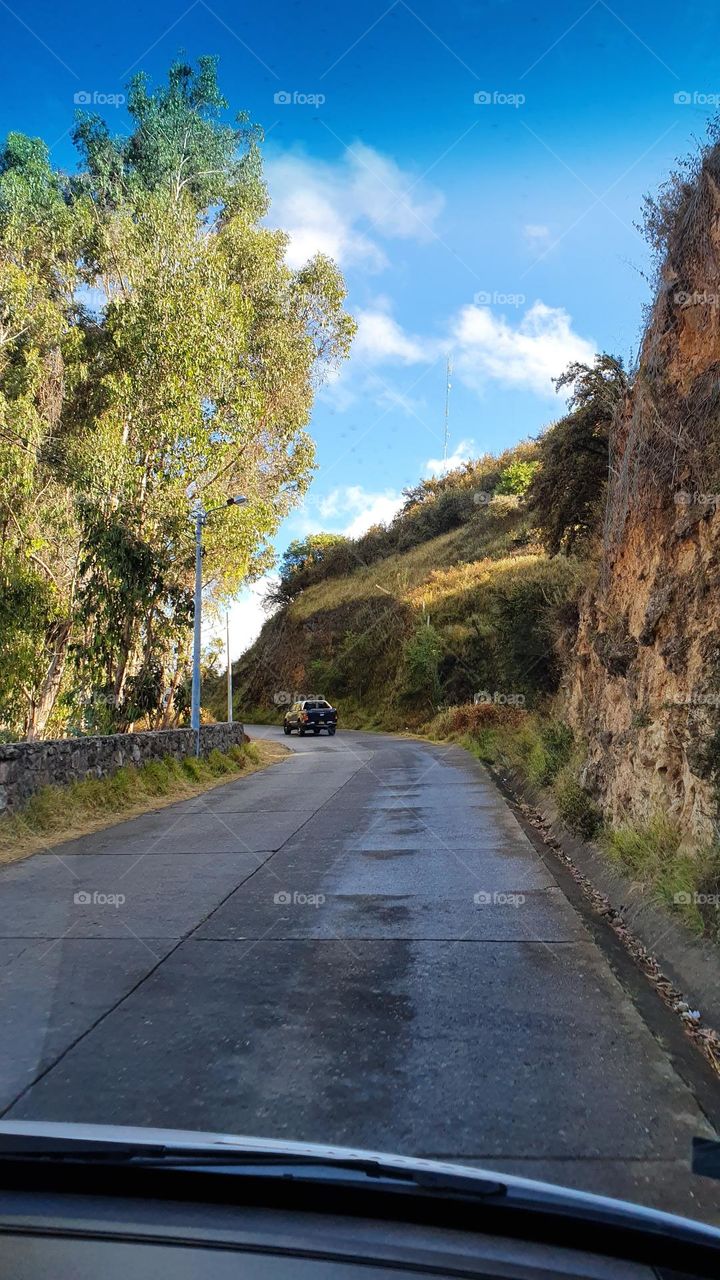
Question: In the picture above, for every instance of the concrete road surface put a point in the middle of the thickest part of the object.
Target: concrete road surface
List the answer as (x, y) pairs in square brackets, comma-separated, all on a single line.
[(359, 945)]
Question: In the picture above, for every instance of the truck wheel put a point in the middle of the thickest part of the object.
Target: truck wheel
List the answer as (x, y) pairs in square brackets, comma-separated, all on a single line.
[(331, 733), (301, 732), (286, 729), (316, 732)]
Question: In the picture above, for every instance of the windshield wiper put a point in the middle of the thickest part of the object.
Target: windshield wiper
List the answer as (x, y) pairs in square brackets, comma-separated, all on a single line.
[(81, 1150)]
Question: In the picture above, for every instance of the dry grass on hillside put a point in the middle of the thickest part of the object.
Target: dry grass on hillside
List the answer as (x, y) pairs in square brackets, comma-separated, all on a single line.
[(396, 575), (464, 579), (485, 542)]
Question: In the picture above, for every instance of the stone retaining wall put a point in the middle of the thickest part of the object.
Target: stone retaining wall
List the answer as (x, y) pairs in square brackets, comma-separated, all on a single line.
[(25, 767)]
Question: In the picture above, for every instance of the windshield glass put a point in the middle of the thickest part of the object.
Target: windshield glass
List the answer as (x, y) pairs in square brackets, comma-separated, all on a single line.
[(370, 350)]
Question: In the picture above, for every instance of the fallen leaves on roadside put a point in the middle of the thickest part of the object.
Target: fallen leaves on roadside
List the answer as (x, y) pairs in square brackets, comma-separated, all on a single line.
[(705, 1038)]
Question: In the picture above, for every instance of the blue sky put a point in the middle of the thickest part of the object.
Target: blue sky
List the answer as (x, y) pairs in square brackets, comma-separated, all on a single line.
[(501, 230)]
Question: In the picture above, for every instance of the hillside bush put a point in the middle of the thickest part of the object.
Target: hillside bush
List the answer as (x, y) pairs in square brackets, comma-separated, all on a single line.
[(567, 492), (472, 717), (511, 610), (575, 806), (517, 478), (421, 665)]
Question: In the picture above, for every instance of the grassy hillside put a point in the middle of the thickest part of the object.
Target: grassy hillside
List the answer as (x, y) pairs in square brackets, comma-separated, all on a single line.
[(418, 619)]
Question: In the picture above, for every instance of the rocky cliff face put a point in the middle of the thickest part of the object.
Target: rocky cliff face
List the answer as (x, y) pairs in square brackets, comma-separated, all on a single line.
[(642, 685)]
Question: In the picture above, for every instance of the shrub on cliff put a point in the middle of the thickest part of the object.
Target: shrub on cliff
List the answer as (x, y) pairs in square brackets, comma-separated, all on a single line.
[(576, 808), (517, 478), (567, 491), (472, 717)]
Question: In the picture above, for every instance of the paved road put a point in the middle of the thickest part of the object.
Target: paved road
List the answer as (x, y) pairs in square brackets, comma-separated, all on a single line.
[(359, 945)]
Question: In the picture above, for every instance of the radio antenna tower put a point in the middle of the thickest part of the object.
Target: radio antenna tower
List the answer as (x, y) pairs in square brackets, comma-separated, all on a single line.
[(447, 408)]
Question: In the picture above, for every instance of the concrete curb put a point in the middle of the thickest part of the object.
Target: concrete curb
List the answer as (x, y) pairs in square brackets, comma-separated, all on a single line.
[(691, 964)]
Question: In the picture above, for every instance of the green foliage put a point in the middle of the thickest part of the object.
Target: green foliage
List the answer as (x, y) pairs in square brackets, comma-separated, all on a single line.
[(220, 763), (193, 372), (495, 613), (367, 655), (522, 608), (156, 778), (517, 477), (534, 745), (685, 881), (195, 768), (511, 610), (567, 491), (303, 556), (538, 748), (483, 744), (421, 660), (575, 806), (553, 752)]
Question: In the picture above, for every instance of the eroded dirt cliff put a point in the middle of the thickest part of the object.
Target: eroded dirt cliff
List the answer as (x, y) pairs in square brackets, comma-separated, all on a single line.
[(642, 684)]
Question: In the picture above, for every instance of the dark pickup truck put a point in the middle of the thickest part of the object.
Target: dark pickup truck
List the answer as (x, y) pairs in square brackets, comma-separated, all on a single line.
[(310, 715)]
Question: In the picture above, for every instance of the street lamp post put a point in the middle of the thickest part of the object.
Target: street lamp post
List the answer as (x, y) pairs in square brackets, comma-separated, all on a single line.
[(200, 518), (229, 666)]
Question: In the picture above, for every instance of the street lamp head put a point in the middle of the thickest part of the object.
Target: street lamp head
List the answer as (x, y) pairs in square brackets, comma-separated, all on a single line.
[(237, 501)]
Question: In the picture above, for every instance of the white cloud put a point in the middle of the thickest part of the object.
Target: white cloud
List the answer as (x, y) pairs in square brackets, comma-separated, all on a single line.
[(307, 205), (247, 616), (338, 208), (380, 338), (536, 235), (488, 348), (387, 398), (347, 509), (384, 193), (486, 345), (464, 450), (365, 507)]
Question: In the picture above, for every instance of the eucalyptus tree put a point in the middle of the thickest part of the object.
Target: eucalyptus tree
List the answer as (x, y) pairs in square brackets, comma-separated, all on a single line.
[(197, 355), (40, 359)]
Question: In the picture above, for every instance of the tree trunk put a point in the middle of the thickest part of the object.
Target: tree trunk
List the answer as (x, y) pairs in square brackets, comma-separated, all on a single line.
[(122, 665), (43, 701)]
